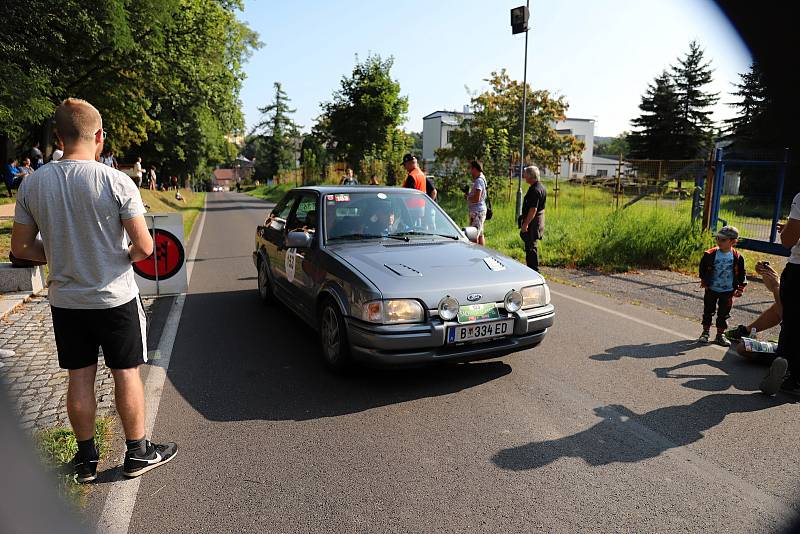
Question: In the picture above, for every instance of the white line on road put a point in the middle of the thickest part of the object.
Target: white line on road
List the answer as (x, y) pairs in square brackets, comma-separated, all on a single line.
[(604, 309), (121, 498)]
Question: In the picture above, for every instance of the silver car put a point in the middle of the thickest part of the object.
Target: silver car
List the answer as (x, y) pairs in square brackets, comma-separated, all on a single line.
[(386, 277)]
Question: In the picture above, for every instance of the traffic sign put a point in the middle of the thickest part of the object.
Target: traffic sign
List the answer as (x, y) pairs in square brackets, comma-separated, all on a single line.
[(164, 272)]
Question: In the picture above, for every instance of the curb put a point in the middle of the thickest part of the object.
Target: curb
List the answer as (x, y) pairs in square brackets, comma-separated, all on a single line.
[(9, 302)]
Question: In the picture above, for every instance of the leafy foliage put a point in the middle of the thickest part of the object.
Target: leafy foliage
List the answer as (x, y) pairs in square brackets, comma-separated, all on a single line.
[(618, 145), (362, 118), (276, 136), (165, 74)]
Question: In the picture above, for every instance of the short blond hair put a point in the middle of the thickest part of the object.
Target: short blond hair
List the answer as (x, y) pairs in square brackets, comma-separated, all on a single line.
[(532, 171), (77, 121)]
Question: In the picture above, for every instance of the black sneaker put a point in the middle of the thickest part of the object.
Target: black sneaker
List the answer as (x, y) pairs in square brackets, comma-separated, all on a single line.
[(85, 469), (735, 334), (156, 455), (775, 377), (791, 386), (722, 341)]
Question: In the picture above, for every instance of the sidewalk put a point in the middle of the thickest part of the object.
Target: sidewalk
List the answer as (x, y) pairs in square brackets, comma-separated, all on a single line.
[(7, 211), (31, 373)]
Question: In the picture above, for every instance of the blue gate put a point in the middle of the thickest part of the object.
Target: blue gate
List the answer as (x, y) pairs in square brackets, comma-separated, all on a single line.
[(754, 210)]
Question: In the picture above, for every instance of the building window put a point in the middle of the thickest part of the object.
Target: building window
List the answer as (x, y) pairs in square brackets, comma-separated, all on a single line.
[(577, 166), (580, 137), (450, 136), (602, 172)]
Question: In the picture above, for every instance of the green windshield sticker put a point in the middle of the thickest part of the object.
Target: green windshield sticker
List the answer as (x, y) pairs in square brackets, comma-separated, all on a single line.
[(477, 312)]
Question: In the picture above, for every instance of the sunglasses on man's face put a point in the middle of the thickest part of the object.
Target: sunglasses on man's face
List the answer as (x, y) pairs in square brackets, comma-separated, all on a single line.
[(105, 133)]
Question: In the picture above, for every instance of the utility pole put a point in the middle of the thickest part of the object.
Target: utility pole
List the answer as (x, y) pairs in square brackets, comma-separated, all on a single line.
[(519, 24)]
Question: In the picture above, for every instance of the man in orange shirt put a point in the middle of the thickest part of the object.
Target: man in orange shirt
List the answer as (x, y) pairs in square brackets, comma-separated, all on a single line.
[(416, 179)]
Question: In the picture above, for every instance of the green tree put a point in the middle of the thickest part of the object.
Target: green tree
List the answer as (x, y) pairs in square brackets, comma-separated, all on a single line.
[(365, 112), (657, 126), (279, 135), (694, 129), (616, 146), (495, 128)]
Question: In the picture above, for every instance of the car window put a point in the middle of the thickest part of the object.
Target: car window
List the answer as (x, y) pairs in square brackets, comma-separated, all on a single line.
[(283, 208), (305, 214)]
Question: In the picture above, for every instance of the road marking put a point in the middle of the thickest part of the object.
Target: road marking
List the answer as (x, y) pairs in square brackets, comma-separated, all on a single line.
[(632, 318), (121, 498)]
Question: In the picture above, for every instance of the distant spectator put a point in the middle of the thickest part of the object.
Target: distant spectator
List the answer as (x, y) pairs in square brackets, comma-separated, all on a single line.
[(11, 175), (416, 179), (36, 156), (152, 178), (26, 168), (476, 200), (373, 180), (531, 221), (173, 182), (138, 172), (348, 178), (58, 153), (107, 158)]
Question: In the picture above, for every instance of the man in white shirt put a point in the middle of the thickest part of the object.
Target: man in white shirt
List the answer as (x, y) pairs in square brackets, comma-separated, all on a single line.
[(86, 213), (138, 172), (788, 351)]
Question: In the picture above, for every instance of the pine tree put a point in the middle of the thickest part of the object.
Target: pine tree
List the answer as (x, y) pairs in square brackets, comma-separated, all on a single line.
[(694, 127), (277, 135), (655, 129), (755, 125)]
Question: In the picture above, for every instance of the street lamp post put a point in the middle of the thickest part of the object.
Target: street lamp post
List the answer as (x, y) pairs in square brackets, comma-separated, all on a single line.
[(519, 23)]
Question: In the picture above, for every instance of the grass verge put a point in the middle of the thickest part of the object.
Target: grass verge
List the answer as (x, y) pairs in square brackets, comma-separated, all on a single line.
[(57, 446), (164, 201), (5, 238), (273, 193)]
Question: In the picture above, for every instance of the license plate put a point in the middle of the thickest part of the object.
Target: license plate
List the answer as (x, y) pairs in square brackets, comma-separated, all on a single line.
[(476, 331)]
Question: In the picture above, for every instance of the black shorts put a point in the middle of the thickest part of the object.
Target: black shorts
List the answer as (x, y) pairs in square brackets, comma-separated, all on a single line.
[(120, 331)]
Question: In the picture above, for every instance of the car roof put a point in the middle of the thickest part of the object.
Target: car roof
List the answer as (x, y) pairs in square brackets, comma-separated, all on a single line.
[(338, 189)]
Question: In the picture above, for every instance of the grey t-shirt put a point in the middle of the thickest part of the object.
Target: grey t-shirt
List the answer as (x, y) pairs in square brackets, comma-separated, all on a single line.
[(479, 184), (78, 207)]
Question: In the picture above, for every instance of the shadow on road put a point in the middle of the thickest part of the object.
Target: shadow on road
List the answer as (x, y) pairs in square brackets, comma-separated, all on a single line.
[(647, 350), (246, 361), (737, 372), (624, 436)]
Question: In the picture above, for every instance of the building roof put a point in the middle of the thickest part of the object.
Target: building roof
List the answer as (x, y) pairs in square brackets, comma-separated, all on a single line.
[(224, 174), (577, 120), (440, 113)]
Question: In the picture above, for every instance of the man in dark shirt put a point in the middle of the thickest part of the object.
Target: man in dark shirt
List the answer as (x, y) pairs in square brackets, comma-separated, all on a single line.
[(531, 221)]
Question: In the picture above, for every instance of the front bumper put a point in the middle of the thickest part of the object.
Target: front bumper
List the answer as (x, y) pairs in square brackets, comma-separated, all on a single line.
[(398, 345)]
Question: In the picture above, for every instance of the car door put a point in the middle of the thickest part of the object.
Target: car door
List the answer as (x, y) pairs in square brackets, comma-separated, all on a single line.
[(274, 234), (300, 265)]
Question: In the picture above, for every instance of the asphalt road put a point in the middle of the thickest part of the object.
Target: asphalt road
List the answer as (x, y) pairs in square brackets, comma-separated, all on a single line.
[(616, 423)]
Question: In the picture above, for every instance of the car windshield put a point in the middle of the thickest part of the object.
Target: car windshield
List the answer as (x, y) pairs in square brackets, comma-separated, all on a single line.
[(376, 215)]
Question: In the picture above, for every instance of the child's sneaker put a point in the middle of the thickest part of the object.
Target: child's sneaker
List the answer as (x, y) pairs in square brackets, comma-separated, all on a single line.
[(722, 341), (703, 338), (775, 377), (735, 334)]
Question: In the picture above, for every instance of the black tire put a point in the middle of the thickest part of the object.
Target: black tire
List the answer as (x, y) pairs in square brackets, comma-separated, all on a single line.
[(264, 283), (333, 337)]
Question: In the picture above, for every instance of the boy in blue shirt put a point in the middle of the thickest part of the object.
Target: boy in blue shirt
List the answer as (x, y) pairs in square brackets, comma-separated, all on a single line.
[(722, 274)]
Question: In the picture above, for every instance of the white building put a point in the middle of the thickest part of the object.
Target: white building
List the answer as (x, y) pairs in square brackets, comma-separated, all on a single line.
[(437, 128), (439, 125)]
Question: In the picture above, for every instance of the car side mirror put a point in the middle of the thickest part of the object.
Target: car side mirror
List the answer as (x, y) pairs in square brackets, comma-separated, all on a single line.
[(472, 233), (298, 240)]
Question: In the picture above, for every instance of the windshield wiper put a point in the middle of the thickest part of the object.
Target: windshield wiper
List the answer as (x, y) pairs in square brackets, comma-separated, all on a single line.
[(414, 232), (366, 236)]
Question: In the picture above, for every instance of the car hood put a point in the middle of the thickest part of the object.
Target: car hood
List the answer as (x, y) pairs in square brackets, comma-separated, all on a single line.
[(431, 270)]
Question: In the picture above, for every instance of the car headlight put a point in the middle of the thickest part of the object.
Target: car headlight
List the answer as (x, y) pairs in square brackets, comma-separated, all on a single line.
[(448, 308), (513, 301), (534, 296), (393, 311)]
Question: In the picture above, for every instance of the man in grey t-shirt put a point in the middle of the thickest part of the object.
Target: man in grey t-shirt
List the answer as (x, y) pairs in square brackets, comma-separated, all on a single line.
[(476, 197), (86, 212)]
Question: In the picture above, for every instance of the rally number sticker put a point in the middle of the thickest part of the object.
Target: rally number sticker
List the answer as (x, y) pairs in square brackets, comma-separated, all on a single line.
[(290, 263)]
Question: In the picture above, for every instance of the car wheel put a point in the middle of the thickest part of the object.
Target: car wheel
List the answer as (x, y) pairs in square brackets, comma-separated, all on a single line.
[(264, 284), (333, 337)]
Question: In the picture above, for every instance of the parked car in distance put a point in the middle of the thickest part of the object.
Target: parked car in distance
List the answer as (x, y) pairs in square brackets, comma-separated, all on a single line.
[(386, 277)]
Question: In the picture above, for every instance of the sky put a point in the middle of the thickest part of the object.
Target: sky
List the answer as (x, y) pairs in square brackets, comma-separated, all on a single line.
[(599, 54)]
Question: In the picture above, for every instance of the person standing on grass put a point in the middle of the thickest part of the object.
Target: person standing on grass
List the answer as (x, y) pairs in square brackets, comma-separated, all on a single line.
[(86, 213), (476, 200), (151, 176), (348, 178), (788, 351), (722, 274), (138, 172), (531, 223), (36, 156)]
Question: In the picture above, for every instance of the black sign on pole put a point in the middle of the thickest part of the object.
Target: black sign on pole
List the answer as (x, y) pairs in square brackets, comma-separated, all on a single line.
[(519, 19)]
